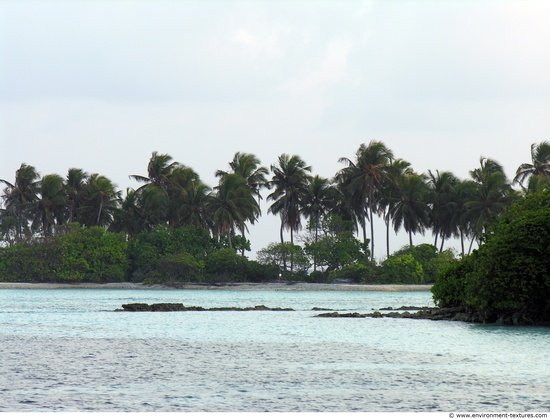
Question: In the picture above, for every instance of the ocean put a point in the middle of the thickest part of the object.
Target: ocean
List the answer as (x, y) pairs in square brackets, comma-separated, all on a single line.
[(71, 350)]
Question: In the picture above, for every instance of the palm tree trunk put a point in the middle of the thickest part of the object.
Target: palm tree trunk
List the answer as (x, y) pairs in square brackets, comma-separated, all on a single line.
[(244, 237), (442, 243), (292, 254), (387, 219), (316, 240), (471, 244), (371, 234), (99, 212), (283, 247), (410, 238)]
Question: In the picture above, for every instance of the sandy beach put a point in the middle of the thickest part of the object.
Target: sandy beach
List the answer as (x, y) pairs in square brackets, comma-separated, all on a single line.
[(274, 286)]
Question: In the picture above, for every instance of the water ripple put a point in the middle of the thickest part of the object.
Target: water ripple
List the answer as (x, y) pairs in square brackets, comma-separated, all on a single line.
[(165, 375)]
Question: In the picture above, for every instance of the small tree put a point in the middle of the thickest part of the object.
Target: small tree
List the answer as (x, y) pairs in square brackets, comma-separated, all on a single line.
[(335, 252), (402, 269), (276, 254)]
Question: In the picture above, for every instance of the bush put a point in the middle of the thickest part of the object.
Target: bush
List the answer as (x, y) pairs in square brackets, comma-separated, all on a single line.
[(508, 277), (336, 251), (428, 257), (450, 286), (149, 251), (226, 265), (402, 269), (317, 276), (30, 262), (256, 272), (276, 254), (81, 254), (94, 255), (177, 267), (438, 264), (358, 272)]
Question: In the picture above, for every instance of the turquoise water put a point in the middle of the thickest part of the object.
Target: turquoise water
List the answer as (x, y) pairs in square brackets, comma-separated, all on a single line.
[(69, 350)]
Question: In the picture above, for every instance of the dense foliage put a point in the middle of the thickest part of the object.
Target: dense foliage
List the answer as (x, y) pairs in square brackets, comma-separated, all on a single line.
[(175, 228), (508, 277), (79, 254)]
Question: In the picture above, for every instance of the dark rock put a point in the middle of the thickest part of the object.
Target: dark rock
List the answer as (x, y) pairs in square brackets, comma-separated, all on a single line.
[(181, 307), (136, 307), (347, 315), (405, 308), (155, 307)]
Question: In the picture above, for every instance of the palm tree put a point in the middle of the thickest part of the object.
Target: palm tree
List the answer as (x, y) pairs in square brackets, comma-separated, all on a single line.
[(389, 193), (539, 166), (342, 205), (179, 184), (102, 201), (492, 195), (173, 179), (465, 192), (232, 206), (127, 218), (411, 209), (364, 178), (50, 206), (248, 166), (74, 189), (318, 201), (152, 204), (290, 180), (444, 204), (194, 210), (535, 183), (159, 170), (21, 196)]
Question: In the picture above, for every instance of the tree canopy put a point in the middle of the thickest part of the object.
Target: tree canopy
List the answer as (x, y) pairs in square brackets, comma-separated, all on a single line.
[(508, 277), (374, 183)]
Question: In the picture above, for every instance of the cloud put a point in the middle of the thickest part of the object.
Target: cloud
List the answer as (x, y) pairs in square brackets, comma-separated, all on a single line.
[(325, 70)]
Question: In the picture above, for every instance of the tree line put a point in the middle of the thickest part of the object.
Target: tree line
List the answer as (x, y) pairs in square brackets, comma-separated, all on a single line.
[(373, 183)]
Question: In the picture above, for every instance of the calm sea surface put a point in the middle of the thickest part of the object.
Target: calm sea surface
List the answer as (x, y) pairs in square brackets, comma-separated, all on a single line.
[(69, 350)]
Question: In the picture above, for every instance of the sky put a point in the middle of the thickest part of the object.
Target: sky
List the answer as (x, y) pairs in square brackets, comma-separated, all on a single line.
[(99, 85)]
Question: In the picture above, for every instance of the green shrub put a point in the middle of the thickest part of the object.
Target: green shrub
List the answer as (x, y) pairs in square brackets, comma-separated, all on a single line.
[(509, 275), (226, 265), (358, 272), (80, 254), (93, 255), (30, 262), (256, 272), (149, 251), (317, 276), (177, 267), (450, 286), (402, 269)]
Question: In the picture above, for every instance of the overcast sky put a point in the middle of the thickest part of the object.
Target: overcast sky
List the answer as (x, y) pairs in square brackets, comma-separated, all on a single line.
[(100, 85)]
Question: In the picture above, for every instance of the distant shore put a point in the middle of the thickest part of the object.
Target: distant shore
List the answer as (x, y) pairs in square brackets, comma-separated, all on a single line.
[(248, 286)]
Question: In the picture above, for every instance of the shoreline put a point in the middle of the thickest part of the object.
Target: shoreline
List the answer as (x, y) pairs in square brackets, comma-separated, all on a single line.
[(245, 286)]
